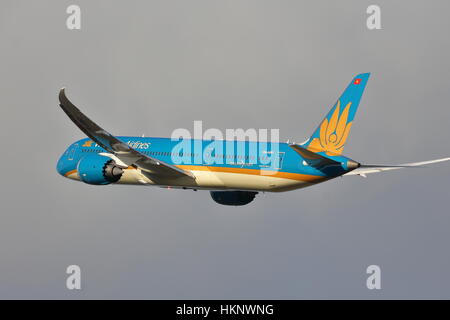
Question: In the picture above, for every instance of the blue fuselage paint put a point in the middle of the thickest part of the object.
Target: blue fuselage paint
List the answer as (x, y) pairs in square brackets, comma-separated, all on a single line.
[(233, 154)]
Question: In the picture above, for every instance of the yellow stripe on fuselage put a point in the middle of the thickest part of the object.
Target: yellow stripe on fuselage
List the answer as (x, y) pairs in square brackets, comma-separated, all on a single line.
[(258, 172)]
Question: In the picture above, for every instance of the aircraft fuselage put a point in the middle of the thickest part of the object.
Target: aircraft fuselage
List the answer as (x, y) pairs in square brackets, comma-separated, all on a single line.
[(235, 166)]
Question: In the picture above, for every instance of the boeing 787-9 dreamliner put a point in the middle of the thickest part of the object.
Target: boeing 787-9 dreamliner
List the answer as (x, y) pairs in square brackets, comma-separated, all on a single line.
[(233, 178)]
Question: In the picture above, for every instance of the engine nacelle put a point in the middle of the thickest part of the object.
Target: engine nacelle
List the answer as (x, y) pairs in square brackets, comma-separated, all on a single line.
[(233, 198), (98, 170)]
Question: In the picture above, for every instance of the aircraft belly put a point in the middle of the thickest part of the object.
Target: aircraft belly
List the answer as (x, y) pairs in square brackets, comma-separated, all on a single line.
[(209, 179), (227, 180)]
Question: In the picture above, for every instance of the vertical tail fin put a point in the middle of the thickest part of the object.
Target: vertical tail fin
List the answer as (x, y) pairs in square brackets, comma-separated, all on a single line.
[(332, 133)]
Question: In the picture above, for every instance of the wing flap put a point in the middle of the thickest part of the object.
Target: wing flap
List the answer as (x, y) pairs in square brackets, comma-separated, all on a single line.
[(313, 159)]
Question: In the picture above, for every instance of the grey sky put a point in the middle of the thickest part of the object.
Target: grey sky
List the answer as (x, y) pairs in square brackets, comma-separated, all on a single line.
[(152, 66)]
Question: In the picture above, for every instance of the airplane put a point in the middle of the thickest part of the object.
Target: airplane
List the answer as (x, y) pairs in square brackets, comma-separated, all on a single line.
[(103, 159)]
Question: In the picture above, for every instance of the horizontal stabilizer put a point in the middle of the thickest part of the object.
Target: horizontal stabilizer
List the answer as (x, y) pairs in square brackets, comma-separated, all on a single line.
[(313, 159)]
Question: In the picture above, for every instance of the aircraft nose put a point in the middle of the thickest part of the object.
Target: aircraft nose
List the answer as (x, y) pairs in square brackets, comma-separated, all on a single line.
[(60, 166), (63, 165)]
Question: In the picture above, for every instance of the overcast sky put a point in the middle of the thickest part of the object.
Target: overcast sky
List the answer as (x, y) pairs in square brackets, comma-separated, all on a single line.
[(149, 67)]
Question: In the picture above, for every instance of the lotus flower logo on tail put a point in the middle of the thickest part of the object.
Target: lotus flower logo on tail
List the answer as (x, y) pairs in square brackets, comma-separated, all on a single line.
[(333, 132)]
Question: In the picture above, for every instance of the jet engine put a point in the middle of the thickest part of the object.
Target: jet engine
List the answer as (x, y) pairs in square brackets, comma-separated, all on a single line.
[(233, 198), (98, 170)]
